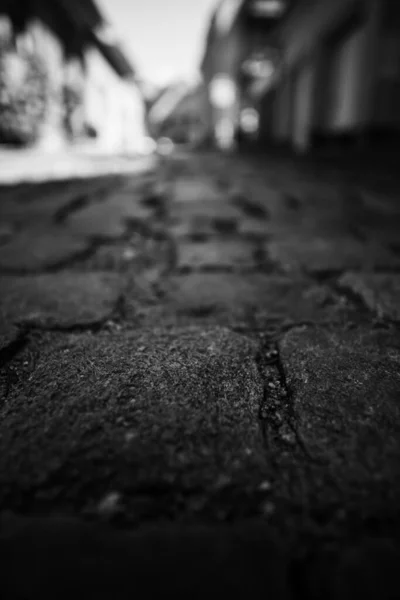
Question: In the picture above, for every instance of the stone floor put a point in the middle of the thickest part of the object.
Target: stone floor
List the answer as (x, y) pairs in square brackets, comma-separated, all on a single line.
[(200, 384)]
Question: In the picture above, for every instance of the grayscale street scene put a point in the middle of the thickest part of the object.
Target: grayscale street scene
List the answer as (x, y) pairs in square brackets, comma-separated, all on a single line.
[(200, 299)]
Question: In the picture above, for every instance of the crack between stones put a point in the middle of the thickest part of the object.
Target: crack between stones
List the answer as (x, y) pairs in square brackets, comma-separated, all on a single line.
[(250, 208), (327, 276), (8, 353), (96, 242), (187, 270), (277, 417), (74, 205), (57, 266)]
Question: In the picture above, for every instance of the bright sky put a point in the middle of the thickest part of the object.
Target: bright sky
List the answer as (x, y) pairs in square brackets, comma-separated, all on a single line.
[(163, 38)]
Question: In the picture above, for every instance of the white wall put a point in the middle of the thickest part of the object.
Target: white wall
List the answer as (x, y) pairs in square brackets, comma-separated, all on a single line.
[(40, 38), (113, 107)]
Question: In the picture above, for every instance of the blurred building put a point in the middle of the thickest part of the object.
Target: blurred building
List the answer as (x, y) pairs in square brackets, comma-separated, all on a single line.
[(305, 73), (179, 113), (93, 96)]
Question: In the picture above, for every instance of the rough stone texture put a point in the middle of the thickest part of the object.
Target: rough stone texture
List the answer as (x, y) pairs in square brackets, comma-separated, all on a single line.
[(173, 411), (159, 414), (215, 254), (379, 291), (61, 558), (315, 254), (40, 249), (59, 300), (345, 386)]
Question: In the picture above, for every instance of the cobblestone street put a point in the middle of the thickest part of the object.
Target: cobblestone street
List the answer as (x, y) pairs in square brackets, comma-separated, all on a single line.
[(200, 383)]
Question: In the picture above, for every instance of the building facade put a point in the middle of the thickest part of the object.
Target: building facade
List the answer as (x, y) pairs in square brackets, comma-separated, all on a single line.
[(92, 94), (179, 113), (334, 74), (236, 62), (339, 80)]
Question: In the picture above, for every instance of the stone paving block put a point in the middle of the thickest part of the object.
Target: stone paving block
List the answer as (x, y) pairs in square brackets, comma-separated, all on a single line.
[(314, 254), (215, 254), (40, 249), (185, 212), (41, 203), (29, 193), (379, 291), (61, 300), (291, 213), (199, 227), (26, 214), (254, 300), (130, 206), (345, 386), (267, 198), (65, 558), (169, 410), (189, 190), (109, 218), (97, 221)]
